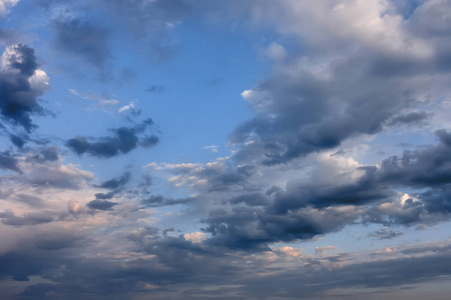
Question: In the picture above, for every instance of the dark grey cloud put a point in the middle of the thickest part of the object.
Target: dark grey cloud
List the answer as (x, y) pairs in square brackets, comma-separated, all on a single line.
[(43, 155), (228, 179), (116, 183), (159, 200), (18, 97), (29, 219), (413, 118), (307, 209), (8, 161), (150, 21), (101, 204), (17, 141), (301, 117), (424, 167), (30, 200), (145, 11), (83, 39), (183, 270), (380, 275), (104, 196), (122, 140), (149, 141), (251, 199), (254, 228)]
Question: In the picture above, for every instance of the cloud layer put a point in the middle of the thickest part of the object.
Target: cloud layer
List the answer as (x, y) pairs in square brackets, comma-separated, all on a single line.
[(336, 183)]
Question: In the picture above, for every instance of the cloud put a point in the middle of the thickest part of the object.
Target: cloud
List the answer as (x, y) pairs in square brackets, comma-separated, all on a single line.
[(413, 118), (159, 200), (8, 161), (122, 140), (297, 170), (116, 183), (213, 149), (317, 98), (101, 101), (82, 39), (30, 200), (44, 154), (8, 36), (17, 141), (46, 169), (195, 237), (101, 204), (151, 22), (21, 83), (385, 233), (242, 217), (9, 218), (156, 89), (6, 5), (130, 106)]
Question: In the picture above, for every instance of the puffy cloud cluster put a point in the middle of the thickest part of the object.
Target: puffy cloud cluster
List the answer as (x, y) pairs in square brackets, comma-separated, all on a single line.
[(21, 83), (361, 67)]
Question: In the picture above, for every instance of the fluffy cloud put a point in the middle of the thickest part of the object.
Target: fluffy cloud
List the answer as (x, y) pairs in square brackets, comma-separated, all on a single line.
[(21, 83), (341, 84)]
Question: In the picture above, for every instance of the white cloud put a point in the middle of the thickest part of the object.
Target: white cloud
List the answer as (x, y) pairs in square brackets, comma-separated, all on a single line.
[(275, 51), (101, 101), (6, 5), (127, 107), (39, 81), (213, 148)]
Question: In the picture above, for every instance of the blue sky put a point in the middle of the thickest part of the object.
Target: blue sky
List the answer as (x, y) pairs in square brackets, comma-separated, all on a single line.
[(193, 149)]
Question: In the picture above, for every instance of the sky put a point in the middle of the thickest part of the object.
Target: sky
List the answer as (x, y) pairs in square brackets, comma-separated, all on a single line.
[(207, 149)]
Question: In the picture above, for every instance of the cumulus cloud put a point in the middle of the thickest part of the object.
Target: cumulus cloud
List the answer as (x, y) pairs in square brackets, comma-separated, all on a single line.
[(21, 83), (318, 98)]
